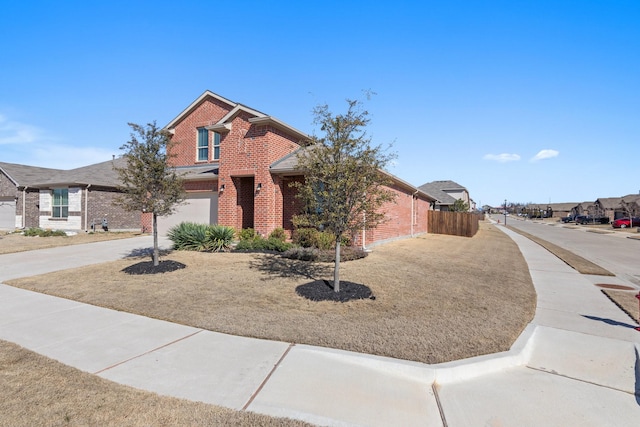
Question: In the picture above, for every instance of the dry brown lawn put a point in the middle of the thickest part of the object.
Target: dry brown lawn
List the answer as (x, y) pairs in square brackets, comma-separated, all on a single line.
[(37, 391), (627, 301), (438, 298), (16, 242)]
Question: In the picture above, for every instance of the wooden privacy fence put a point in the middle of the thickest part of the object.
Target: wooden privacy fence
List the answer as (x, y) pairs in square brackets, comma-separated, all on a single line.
[(453, 223)]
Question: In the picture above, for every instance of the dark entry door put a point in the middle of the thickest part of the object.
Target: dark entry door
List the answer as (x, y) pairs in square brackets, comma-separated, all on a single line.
[(245, 203)]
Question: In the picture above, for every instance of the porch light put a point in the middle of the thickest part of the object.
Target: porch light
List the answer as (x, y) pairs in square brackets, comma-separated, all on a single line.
[(222, 188), (259, 187)]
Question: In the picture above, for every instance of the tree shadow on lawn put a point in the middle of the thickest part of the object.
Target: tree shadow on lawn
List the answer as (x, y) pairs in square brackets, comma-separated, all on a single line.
[(316, 290), (275, 265), (147, 267), (146, 252)]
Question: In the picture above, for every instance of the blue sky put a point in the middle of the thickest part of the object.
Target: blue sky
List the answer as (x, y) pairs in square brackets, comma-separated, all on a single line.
[(529, 101)]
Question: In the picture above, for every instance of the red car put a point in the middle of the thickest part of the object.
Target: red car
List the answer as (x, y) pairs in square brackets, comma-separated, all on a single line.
[(624, 222)]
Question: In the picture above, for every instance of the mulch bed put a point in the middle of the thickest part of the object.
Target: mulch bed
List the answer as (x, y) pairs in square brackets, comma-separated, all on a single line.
[(147, 267), (322, 290)]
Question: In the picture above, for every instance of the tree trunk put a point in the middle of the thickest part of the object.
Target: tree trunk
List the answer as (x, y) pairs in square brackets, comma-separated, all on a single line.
[(156, 252), (336, 268)]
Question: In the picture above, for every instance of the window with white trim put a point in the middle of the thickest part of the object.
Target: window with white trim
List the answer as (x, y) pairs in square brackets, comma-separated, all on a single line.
[(216, 146), (203, 145), (60, 205)]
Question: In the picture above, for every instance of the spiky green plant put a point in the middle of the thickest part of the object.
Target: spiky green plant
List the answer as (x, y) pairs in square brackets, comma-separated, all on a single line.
[(189, 236), (219, 237)]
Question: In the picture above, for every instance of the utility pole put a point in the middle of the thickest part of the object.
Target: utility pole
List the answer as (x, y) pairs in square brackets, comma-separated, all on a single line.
[(505, 212)]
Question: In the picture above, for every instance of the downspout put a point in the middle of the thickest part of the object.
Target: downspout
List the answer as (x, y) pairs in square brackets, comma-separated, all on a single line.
[(412, 211), (364, 230), (86, 209), (24, 207)]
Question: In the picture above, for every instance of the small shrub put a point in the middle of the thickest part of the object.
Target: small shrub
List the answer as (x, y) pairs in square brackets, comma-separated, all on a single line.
[(260, 244), (304, 237), (247, 234), (278, 234), (314, 254), (301, 253), (310, 237), (324, 240), (39, 232)]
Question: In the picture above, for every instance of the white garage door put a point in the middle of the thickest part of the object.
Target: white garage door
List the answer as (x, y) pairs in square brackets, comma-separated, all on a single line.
[(200, 208), (7, 215)]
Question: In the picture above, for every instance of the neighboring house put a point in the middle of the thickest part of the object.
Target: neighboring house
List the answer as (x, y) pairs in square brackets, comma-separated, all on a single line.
[(584, 208), (445, 194), (558, 210), (238, 164), (629, 204), (62, 199), (609, 207)]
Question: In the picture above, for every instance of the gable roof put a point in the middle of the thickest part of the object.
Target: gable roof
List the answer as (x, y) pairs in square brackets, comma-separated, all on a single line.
[(437, 190), (25, 176), (289, 165), (609, 202), (259, 118), (100, 174)]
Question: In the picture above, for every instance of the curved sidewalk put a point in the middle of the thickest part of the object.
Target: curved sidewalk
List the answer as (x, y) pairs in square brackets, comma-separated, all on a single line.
[(576, 364)]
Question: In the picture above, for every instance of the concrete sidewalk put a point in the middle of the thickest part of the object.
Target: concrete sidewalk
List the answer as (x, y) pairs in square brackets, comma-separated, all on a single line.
[(576, 364)]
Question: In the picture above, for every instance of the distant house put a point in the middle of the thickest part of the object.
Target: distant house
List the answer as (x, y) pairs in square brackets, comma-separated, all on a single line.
[(584, 208), (618, 207), (446, 193), (630, 204), (558, 210), (608, 206), (62, 199)]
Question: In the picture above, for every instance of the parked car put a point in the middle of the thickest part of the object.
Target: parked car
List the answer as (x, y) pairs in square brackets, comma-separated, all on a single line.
[(566, 219), (624, 222), (583, 219)]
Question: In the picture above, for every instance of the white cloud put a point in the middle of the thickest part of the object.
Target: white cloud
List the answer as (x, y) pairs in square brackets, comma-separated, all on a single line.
[(12, 132), (545, 154), (502, 158), (28, 145), (60, 156)]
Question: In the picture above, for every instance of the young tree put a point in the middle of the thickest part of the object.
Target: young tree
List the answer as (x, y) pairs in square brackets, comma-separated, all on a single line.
[(148, 183), (460, 206), (344, 182)]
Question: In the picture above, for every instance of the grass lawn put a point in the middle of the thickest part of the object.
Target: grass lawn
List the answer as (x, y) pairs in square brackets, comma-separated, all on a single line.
[(438, 298), (37, 391)]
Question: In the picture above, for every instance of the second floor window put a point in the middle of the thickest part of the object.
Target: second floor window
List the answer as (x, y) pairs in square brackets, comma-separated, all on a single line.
[(216, 146), (203, 145)]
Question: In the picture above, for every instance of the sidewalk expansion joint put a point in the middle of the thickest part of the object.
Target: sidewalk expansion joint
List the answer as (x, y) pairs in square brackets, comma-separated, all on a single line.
[(266, 379), (434, 388), (637, 393), (147, 352)]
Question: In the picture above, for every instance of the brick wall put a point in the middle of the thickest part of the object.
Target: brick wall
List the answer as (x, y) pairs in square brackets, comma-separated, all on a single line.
[(246, 151), (399, 220), (184, 148), (100, 204)]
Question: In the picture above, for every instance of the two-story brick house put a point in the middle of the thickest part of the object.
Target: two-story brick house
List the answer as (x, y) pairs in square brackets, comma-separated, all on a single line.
[(238, 164)]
